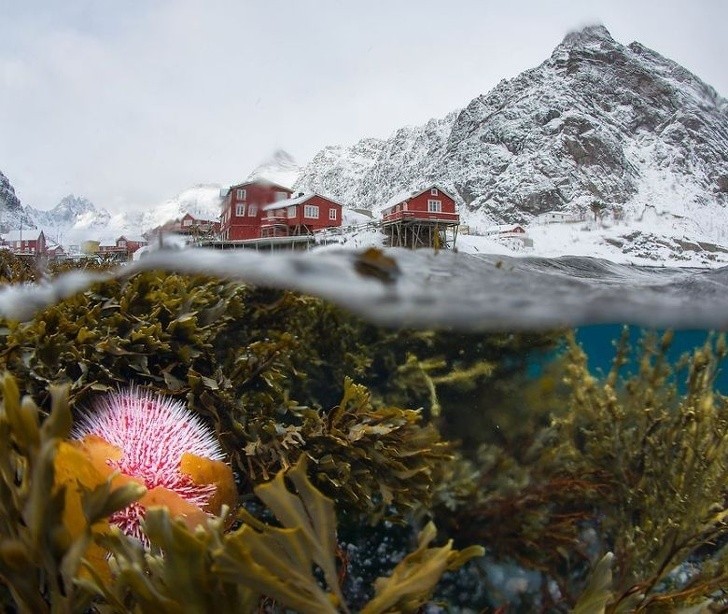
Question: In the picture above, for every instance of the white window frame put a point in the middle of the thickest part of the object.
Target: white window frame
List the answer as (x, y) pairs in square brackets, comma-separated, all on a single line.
[(291, 212), (332, 214), (240, 193), (311, 212), (187, 222), (434, 192), (278, 196), (252, 210), (434, 206), (240, 210)]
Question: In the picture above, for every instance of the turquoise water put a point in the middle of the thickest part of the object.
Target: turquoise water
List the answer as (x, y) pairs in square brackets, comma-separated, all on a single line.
[(598, 342)]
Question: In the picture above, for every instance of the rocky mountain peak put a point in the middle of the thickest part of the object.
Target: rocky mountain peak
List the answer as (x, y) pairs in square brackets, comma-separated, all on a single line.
[(597, 121), (8, 198), (592, 35), (70, 206), (280, 167)]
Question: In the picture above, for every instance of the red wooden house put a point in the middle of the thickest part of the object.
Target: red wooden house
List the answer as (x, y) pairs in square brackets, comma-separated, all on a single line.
[(26, 242), (431, 204), (122, 249), (242, 209), (304, 214), (189, 225)]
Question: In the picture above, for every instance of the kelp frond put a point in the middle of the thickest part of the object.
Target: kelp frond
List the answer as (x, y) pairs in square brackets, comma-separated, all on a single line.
[(56, 539)]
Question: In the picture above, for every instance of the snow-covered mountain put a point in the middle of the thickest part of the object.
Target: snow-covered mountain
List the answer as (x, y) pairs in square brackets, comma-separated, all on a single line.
[(75, 218), (12, 214), (597, 124), (203, 201), (617, 135), (280, 167)]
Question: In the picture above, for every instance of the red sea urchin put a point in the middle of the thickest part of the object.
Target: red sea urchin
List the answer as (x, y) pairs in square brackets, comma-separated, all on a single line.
[(159, 443)]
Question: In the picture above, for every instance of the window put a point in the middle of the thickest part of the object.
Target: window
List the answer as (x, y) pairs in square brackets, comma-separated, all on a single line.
[(252, 210), (240, 210), (240, 194), (122, 243), (332, 214), (434, 192), (311, 211), (280, 196), (187, 222), (291, 212), (434, 206)]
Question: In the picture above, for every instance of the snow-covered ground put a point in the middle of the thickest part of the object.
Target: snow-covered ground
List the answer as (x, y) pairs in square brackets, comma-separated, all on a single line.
[(653, 240)]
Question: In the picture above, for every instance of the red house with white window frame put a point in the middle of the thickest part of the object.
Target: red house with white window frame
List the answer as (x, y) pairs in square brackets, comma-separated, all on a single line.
[(26, 242), (304, 214), (431, 204), (242, 209)]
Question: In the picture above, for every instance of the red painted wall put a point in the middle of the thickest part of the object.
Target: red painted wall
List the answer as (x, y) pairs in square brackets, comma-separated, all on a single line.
[(234, 227), (419, 203), (417, 207), (325, 206)]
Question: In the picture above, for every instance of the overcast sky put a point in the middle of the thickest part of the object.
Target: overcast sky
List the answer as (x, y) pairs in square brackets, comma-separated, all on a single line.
[(128, 102)]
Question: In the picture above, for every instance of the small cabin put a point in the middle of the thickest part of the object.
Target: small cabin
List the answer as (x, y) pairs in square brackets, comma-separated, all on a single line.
[(303, 214), (506, 230), (242, 209), (54, 251), (556, 217), (432, 204)]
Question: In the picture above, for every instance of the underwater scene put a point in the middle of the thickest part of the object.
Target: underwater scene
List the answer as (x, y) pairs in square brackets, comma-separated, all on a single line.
[(374, 431)]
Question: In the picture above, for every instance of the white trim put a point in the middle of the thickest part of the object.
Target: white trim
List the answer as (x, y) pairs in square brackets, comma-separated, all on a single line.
[(434, 206), (332, 214), (240, 210), (252, 210), (240, 194), (434, 192), (311, 212)]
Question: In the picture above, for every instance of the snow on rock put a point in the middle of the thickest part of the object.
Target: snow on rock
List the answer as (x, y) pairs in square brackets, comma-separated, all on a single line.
[(597, 122), (280, 168)]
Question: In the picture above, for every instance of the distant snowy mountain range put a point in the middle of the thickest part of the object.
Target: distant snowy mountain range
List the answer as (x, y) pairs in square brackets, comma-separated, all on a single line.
[(629, 140)]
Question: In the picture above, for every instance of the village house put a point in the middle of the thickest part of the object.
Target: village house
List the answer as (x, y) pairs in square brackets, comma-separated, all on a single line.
[(429, 204), (512, 235), (242, 208), (123, 248), (28, 242), (424, 218), (304, 214), (54, 251), (188, 225), (556, 217), (505, 230)]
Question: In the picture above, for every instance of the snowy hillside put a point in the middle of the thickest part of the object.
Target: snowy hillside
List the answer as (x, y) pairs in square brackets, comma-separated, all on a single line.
[(597, 124), (617, 136), (202, 201), (12, 215), (76, 219), (280, 168)]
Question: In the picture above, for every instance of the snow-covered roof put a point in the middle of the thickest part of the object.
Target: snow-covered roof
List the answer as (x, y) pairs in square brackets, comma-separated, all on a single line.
[(292, 202), (259, 181), (289, 202), (28, 234), (408, 194), (134, 238), (503, 228)]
